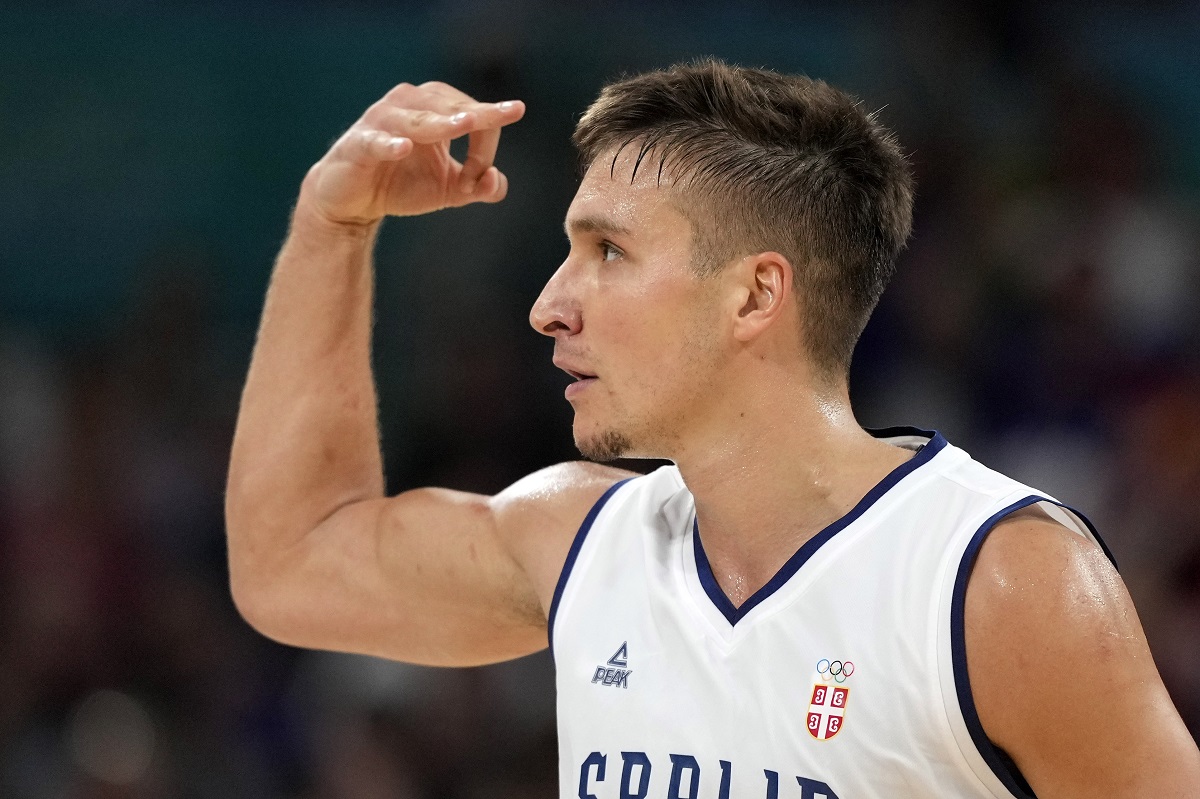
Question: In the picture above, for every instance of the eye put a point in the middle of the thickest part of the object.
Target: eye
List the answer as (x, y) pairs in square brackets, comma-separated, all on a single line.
[(609, 251)]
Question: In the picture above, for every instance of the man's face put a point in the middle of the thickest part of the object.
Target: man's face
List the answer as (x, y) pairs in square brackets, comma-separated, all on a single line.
[(629, 316)]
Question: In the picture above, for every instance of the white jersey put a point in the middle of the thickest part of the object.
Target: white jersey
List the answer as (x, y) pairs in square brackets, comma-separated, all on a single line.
[(843, 677)]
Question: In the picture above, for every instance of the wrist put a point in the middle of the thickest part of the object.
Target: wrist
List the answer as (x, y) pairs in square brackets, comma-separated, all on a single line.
[(309, 217), (309, 221)]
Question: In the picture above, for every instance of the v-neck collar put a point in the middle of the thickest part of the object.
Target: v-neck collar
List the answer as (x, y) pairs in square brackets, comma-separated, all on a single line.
[(936, 442)]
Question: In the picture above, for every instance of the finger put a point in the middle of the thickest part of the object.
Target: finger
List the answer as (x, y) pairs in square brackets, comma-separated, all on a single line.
[(426, 126), (481, 150), (366, 144), (489, 114), (446, 90), (495, 115), (420, 125), (492, 187), (444, 99), (407, 95), (502, 189), (481, 153)]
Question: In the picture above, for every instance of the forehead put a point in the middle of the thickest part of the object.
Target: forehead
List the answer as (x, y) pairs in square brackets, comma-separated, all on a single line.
[(613, 198)]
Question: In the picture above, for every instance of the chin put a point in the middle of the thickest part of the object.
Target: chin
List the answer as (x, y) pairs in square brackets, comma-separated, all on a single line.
[(605, 446)]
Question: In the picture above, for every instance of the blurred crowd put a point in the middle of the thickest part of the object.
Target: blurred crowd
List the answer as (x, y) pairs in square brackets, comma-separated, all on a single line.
[(1045, 318)]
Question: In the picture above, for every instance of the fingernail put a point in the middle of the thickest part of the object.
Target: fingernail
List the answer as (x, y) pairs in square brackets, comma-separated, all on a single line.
[(507, 105), (459, 117)]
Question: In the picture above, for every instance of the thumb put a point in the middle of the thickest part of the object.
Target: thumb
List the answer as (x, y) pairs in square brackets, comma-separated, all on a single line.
[(492, 187)]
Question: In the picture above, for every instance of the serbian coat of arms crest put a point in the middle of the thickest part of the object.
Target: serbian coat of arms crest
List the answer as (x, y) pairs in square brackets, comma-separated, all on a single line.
[(827, 706)]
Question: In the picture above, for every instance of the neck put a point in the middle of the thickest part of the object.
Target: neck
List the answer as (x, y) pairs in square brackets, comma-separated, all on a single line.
[(793, 461)]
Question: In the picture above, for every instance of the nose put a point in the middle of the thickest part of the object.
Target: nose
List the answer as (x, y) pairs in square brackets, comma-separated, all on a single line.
[(557, 309)]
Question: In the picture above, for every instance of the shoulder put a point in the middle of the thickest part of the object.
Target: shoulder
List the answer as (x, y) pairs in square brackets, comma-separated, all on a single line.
[(1059, 669), (538, 516), (1028, 542), (1036, 590), (1034, 578), (563, 492)]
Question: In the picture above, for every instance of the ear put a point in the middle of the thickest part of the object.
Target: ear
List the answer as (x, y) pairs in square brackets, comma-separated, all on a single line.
[(764, 291)]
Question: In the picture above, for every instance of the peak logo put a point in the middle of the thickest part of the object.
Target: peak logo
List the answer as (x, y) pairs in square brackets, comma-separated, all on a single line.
[(616, 672)]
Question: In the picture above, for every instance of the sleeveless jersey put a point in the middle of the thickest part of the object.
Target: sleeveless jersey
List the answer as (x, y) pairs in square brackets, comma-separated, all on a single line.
[(844, 677)]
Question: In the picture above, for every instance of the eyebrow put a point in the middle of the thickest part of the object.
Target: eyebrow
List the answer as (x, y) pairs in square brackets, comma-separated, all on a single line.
[(594, 224)]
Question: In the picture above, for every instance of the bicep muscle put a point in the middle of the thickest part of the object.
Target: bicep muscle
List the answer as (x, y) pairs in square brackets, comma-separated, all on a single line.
[(421, 577), (431, 576)]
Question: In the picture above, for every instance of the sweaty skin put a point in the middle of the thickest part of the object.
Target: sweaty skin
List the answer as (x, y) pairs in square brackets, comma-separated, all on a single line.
[(709, 372), (1096, 719)]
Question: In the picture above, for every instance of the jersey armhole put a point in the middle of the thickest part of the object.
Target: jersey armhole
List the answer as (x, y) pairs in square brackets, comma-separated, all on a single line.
[(997, 760), (573, 554)]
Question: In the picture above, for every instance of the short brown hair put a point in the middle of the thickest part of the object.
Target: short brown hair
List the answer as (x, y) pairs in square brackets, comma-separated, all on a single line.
[(766, 161)]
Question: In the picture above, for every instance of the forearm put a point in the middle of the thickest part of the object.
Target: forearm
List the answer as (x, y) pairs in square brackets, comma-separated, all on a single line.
[(303, 532), (307, 439)]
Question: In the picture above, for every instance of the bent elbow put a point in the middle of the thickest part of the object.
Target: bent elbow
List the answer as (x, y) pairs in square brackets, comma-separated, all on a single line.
[(259, 609), (249, 599), (253, 588)]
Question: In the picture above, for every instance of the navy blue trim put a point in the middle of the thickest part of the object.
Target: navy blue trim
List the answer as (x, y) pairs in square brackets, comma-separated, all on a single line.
[(904, 430), (573, 553), (735, 614), (1091, 529), (997, 759)]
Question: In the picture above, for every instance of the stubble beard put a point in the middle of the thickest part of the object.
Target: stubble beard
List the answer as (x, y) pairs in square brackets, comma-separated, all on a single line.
[(605, 447)]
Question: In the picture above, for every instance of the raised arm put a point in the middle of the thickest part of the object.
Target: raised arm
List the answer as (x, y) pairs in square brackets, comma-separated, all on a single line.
[(1061, 675), (318, 556)]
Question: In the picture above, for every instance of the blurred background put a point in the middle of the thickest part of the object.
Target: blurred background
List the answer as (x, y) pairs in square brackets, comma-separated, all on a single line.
[(1044, 318)]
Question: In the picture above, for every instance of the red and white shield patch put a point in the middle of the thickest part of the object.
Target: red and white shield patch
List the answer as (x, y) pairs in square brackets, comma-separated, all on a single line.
[(827, 706)]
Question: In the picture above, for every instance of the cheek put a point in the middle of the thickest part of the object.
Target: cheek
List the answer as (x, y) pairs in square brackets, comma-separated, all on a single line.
[(646, 332), (656, 330), (667, 350)]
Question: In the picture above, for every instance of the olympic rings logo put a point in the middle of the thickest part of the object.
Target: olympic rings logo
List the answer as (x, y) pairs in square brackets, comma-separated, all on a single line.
[(834, 670)]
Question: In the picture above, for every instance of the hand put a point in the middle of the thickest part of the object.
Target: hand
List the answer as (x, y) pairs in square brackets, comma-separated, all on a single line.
[(395, 160)]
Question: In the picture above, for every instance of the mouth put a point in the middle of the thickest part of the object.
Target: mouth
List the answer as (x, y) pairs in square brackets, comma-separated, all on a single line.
[(573, 369), (581, 380)]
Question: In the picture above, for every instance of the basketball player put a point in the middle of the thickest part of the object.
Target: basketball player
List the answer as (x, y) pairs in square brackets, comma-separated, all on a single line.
[(796, 608)]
